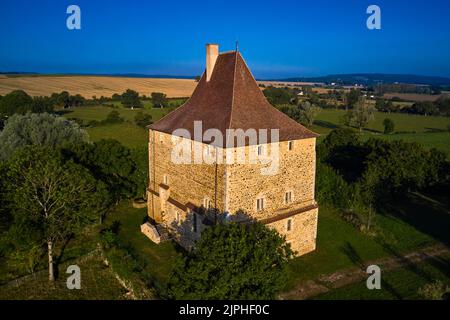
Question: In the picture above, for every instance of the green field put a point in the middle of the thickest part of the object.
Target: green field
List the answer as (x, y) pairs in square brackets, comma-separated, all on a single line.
[(329, 119), (128, 133), (431, 131), (403, 283)]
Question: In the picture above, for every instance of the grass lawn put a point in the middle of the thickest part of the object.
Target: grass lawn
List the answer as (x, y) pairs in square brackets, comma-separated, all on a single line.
[(126, 133), (402, 283), (329, 119), (411, 223), (431, 131), (159, 259), (100, 112), (97, 283)]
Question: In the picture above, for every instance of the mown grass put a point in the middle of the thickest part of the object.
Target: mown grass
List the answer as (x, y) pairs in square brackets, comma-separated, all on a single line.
[(158, 258), (431, 131), (409, 224), (127, 132), (97, 283), (402, 283), (329, 119)]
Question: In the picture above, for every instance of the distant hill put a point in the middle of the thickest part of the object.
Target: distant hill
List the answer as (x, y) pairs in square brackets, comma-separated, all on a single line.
[(374, 78)]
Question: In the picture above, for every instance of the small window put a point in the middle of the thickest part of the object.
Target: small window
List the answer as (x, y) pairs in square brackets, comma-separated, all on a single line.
[(289, 225), (165, 180), (194, 223), (260, 150), (207, 203), (288, 197), (290, 145), (260, 204)]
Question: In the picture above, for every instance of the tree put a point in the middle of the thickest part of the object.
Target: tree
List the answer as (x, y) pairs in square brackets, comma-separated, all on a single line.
[(278, 95), (232, 261), (352, 97), (130, 99), (308, 112), (159, 100), (362, 113), (50, 198), (142, 119), (40, 129), (113, 117), (108, 161), (17, 101), (389, 126)]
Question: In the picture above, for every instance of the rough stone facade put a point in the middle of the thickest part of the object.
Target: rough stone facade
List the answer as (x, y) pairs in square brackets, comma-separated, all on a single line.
[(179, 193)]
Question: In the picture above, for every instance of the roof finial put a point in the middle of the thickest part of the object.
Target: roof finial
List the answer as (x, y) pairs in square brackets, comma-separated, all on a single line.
[(237, 46)]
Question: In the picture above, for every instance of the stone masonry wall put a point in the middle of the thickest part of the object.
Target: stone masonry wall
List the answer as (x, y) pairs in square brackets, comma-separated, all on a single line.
[(296, 173)]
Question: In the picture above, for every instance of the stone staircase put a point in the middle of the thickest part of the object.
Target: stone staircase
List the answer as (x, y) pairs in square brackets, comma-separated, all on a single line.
[(157, 233), (163, 233)]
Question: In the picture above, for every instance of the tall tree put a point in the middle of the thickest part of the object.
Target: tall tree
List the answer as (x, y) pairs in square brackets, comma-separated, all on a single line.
[(50, 198), (362, 113), (308, 112), (130, 99), (159, 100), (232, 261), (38, 129), (17, 101)]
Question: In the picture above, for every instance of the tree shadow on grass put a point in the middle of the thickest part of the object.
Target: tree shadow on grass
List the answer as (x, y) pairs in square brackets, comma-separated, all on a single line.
[(353, 255), (426, 215), (326, 124)]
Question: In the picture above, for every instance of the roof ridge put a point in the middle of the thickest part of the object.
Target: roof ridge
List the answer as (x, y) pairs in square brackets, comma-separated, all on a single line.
[(232, 96)]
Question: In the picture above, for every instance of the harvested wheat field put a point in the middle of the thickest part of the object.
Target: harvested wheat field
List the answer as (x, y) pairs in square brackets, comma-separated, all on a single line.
[(89, 86)]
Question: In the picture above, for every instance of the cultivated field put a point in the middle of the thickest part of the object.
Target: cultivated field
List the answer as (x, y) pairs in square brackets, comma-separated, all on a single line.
[(89, 86)]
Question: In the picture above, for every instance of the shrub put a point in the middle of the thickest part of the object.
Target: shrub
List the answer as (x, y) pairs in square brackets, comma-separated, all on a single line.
[(389, 126), (434, 290), (142, 119), (113, 117), (232, 261)]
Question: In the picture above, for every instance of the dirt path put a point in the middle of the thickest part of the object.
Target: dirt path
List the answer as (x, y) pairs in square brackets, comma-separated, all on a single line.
[(326, 283)]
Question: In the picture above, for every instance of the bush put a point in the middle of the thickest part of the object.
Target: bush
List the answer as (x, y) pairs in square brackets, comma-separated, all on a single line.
[(232, 261), (142, 119), (434, 290), (388, 126), (113, 117)]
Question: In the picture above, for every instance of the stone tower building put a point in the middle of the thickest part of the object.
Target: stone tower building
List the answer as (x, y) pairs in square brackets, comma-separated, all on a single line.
[(186, 197)]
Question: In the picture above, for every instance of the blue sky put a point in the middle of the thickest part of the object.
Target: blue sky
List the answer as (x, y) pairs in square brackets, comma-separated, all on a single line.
[(277, 38)]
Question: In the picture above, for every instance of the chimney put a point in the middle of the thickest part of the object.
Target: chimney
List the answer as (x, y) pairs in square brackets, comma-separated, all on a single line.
[(212, 52)]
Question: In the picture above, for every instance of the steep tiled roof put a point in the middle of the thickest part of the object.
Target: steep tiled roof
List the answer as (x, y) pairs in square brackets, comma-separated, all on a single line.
[(231, 100)]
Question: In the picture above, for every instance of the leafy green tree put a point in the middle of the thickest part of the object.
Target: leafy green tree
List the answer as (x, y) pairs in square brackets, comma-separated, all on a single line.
[(362, 113), (159, 100), (352, 97), (389, 126), (130, 99), (113, 117), (397, 167), (61, 99), (308, 112), (232, 261), (17, 101), (111, 162), (278, 96), (142, 119), (40, 129), (51, 199), (41, 105)]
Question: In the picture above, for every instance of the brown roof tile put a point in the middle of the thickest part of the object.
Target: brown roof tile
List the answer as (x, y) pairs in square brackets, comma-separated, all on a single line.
[(231, 100)]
